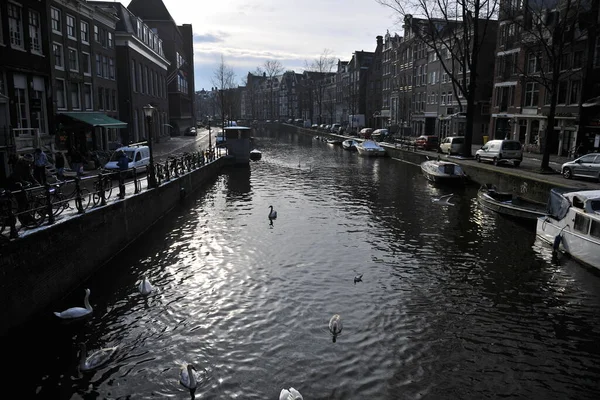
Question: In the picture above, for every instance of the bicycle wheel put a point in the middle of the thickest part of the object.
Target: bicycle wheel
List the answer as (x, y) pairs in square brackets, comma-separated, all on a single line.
[(35, 214), (86, 198), (59, 203)]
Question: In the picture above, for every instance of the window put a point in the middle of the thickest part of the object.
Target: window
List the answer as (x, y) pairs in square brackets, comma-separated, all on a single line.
[(582, 223), (85, 32), (100, 99), (20, 100), (562, 92), (73, 60), (595, 231), (140, 79), (57, 50), (114, 99), (565, 61), (533, 63), (111, 68), (578, 59), (61, 101), (105, 67), (139, 28), (110, 39), (15, 26), (531, 94), (98, 65), (71, 27), (75, 104), (86, 63), (35, 41), (87, 97), (38, 118), (96, 33), (575, 90), (107, 99), (133, 79), (146, 79), (56, 23)]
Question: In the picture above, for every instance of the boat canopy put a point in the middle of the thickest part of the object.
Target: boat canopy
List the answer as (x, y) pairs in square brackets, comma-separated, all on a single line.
[(558, 204)]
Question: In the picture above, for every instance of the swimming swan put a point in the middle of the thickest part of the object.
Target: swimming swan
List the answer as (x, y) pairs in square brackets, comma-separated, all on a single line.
[(291, 394), (272, 213), (335, 326), (96, 359), (145, 287), (77, 312), (187, 377)]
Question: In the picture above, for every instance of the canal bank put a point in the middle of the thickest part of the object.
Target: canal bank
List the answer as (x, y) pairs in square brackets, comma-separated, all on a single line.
[(43, 266), (524, 182)]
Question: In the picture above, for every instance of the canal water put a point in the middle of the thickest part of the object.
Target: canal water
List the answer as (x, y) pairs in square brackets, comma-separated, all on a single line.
[(454, 303)]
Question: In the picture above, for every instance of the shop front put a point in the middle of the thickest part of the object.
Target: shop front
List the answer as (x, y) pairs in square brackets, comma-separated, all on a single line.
[(86, 131)]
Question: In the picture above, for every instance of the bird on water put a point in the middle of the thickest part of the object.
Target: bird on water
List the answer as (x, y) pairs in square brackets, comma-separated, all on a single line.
[(77, 312)]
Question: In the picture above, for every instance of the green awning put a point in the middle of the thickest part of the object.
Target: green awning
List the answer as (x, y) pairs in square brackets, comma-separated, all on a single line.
[(96, 119)]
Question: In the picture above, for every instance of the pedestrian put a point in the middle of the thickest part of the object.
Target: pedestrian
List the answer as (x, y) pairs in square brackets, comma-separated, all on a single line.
[(76, 161), (59, 164), (123, 161), (39, 166)]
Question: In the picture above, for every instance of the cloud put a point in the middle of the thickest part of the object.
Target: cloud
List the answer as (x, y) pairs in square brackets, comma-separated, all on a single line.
[(209, 38)]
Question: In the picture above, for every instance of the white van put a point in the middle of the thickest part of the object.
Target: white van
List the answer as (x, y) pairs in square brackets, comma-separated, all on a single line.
[(139, 158), (452, 145), (501, 151)]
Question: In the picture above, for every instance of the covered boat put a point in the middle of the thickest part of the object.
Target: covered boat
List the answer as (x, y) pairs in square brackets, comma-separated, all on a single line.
[(255, 155), (349, 144), (510, 204), (572, 224), (370, 148), (443, 171)]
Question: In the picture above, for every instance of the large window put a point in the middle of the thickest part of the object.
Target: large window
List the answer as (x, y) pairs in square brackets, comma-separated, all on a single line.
[(75, 102), (100, 98), (20, 100), (71, 27), (56, 23), (87, 97), (532, 92), (85, 32), (57, 50), (73, 60), (111, 68), (533, 63), (110, 39), (133, 79), (140, 78), (582, 223), (575, 92), (98, 65), (114, 99), (562, 92), (105, 66), (38, 118), (35, 35), (15, 25), (61, 101), (96, 33)]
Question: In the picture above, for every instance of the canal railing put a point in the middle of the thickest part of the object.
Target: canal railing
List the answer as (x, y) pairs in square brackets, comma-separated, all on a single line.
[(34, 207)]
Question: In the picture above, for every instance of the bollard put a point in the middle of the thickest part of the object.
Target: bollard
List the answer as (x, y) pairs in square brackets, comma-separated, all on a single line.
[(174, 166), (188, 161), (159, 175), (78, 199), (167, 172), (49, 205), (136, 189), (12, 219), (102, 193), (121, 185)]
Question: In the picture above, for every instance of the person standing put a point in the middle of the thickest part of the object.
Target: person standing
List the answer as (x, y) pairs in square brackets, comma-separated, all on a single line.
[(59, 163), (39, 166)]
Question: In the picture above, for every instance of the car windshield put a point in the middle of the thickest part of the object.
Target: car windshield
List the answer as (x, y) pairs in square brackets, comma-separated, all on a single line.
[(512, 146), (115, 156)]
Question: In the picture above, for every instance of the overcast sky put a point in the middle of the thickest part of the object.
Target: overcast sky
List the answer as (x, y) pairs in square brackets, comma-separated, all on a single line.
[(249, 32)]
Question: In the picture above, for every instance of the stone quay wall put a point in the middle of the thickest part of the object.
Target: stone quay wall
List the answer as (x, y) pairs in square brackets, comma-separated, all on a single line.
[(43, 266)]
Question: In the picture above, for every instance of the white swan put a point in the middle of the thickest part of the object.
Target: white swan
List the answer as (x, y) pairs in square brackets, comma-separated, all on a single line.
[(96, 359), (291, 394), (145, 287), (335, 324), (272, 213), (187, 377), (443, 200), (77, 312)]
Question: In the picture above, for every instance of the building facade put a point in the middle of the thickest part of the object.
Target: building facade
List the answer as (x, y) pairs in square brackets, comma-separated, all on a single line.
[(178, 50)]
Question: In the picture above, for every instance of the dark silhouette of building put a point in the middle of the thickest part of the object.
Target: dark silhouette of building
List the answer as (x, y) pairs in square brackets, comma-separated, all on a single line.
[(178, 49)]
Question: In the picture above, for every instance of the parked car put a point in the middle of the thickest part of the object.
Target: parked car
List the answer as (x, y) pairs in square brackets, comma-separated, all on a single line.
[(335, 128), (501, 151), (587, 166), (139, 158), (452, 145), (427, 142), (191, 131), (315, 126), (380, 134)]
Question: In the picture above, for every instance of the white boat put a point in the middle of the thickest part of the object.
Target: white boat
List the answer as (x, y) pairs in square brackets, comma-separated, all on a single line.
[(572, 224), (443, 171), (349, 144), (370, 148)]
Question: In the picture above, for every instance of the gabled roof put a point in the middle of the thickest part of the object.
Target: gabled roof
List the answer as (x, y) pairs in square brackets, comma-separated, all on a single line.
[(152, 10)]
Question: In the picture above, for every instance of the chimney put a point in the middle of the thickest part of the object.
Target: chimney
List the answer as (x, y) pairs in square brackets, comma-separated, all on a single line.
[(379, 40)]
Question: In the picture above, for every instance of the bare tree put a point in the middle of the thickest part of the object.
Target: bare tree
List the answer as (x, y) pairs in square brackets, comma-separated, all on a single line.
[(323, 65), (224, 81), (551, 33), (272, 68), (458, 28)]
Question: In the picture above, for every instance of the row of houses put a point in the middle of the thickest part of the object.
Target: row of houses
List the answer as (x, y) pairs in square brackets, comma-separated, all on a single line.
[(76, 74), (415, 85)]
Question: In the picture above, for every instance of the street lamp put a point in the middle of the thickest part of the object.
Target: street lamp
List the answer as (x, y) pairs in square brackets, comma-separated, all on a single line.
[(149, 112)]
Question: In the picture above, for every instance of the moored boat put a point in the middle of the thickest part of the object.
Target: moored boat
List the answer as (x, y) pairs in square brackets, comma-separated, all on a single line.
[(510, 204), (349, 144), (572, 224), (443, 171), (370, 148), (334, 141), (255, 155)]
